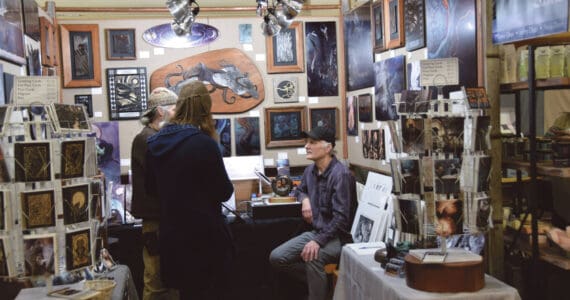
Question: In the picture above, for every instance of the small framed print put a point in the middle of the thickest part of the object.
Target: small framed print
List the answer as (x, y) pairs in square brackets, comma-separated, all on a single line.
[(38, 209), (72, 159), (285, 90), (40, 253), (127, 91), (87, 101), (377, 20), (78, 249), (70, 118), (414, 24), (31, 19), (32, 161), (283, 126), (75, 203), (285, 52), (394, 23), (365, 108), (120, 44), (80, 55), (4, 253), (324, 117)]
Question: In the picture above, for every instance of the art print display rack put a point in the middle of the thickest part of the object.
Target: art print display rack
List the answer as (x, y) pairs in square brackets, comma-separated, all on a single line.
[(51, 200)]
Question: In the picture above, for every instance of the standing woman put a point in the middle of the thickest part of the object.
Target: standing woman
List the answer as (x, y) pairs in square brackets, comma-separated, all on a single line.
[(187, 173)]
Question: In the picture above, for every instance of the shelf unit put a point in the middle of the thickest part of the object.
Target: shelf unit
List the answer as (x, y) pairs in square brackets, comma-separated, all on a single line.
[(532, 166)]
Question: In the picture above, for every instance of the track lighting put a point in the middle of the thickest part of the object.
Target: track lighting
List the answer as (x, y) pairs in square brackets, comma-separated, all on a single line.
[(278, 15), (184, 13)]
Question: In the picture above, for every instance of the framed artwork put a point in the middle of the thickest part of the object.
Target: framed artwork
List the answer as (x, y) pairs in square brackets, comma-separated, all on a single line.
[(449, 217), (377, 19), (413, 135), (31, 19), (33, 62), (72, 159), (248, 140), (4, 210), (32, 162), (409, 214), (245, 34), (121, 44), (109, 149), (285, 50), (40, 253), (321, 53), (127, 90), (224, 130), (78, 249), (414, 24), (447, 135), (390, 79), (87, 101), (446, 177), (75, 203), (352, 115), (283, 126), (410, 176), (70, 117), (4, 268), (47, 42), (38, 209), (324, 117), (80, 53), (365, 108), (12, 32), (285, 90), (394, 23), (358, 49)]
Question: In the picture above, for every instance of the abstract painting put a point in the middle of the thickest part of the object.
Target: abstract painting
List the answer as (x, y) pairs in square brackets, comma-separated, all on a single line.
[(108, 152), (321, 56), (247, 136), (358, 49), (390, 79), (224, 130)]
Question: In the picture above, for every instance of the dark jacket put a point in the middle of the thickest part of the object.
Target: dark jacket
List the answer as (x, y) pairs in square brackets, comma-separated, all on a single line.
[(187, 173), (144, 205)]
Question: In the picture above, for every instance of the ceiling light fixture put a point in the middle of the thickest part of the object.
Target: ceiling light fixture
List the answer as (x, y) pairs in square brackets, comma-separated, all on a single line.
[(184, 13), (278, 15)]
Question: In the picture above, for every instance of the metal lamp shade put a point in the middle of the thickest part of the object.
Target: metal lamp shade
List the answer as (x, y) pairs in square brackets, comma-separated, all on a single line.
[(270, 25)]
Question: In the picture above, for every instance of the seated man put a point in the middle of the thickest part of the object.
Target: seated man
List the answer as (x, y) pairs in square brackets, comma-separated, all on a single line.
[(327, 191)]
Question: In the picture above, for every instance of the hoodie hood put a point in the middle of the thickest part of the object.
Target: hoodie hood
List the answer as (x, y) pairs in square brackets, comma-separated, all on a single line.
[(169, 137)]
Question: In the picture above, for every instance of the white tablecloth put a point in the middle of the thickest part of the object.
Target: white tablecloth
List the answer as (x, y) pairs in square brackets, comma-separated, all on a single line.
[(124, 290), (361, 278)]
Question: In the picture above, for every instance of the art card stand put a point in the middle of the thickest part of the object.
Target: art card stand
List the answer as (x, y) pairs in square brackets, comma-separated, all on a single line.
[(50, 200)]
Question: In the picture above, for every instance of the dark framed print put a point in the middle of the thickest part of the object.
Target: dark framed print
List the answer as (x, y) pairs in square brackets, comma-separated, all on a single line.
[(70, 118), (285, 90), (365, 108), (41, 254), (32, 162), (87, 101), (326, 117), (80, 55), (285, 52), (72, 159), (224, 130), (75, 203), (358, 49), (120, 44), (248, 141), (47, 41), (31, 19), (78, 249), (352, 115), (12, 32), (394, 23), (378, 39), (283, 126), (414, 24), (127, 89), (38, 209), (321, 55)]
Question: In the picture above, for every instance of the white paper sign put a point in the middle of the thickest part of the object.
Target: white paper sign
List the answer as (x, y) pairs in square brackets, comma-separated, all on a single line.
[(36, 89), (439, 72)]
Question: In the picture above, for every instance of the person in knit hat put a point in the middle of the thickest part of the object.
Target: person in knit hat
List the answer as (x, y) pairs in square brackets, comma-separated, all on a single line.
[(161, 107)]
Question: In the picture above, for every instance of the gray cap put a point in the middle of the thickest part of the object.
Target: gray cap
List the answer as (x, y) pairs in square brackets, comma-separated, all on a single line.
[(160, 96)]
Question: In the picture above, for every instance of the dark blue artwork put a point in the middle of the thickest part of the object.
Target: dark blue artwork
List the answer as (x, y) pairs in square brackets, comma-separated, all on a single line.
[(163, 36), (451, 32), (107, 147), (390, 76), (358, 49), (247, 136), (224, 130), (321, 58)]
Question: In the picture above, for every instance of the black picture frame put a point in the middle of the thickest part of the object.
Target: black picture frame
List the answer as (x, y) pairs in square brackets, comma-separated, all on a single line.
[(121, 44), (365, 108), (38, 209), (31, 19), (327, 117), (414, 24), (32, 162), (12, 33), (75, 203), (127, 91), (78, 249), (87, 101), (283, 126)]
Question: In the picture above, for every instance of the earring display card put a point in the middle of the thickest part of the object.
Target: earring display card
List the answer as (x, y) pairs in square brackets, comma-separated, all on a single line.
[(78, 249), (38, 209), (75, 204), (72, 159), (32, 162)]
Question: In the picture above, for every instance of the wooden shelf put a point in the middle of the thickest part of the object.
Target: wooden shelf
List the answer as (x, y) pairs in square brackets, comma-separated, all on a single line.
[(544, 169), (548, 254), (551, 83)]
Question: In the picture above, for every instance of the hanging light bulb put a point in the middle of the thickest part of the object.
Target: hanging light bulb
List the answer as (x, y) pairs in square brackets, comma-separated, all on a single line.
[(280, 13)]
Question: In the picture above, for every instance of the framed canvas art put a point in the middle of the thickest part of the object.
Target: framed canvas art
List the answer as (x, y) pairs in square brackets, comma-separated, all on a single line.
[(80, 55), (414, 24), (31, 19), (247, 136), (365, 108), (285, 50), (377, 20), (394, 23), (12, 32), (121, 44), (324, 117), (127, 91), (283, 126), (358, 49), (321, 55), (224, 130)]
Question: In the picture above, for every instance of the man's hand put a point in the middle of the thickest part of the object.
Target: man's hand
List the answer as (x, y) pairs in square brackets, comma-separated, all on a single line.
[(310, 251), (306, 211)]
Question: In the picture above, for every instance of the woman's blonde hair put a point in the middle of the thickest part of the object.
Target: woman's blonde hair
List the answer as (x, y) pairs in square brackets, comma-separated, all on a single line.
[(193, 107)]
